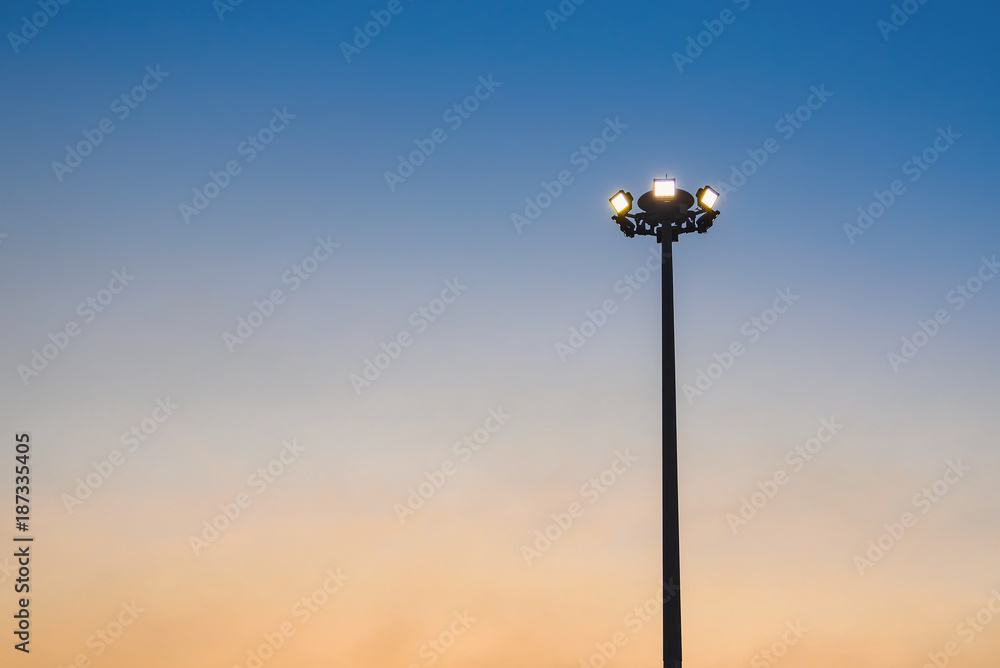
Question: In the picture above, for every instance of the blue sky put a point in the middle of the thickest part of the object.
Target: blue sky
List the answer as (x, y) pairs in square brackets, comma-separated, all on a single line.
[(609, 98)]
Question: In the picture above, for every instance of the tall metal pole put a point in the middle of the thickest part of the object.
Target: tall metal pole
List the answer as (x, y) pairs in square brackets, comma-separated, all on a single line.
[(671, 515)]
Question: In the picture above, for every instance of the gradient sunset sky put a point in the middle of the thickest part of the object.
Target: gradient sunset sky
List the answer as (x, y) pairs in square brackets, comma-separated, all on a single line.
[(217, 218)]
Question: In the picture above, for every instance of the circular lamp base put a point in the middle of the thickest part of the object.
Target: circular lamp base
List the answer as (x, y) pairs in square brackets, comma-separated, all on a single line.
[(675, 208)]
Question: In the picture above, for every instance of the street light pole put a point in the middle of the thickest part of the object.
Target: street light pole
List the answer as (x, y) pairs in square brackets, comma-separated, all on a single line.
[(671, 512), (666, 212)]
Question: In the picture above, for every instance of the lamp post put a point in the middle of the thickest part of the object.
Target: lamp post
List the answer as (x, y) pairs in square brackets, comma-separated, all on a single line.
[(667, 213)]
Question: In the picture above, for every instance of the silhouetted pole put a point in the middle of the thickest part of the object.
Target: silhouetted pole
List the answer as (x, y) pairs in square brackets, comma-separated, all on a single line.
[(666, 212), (671, 513)]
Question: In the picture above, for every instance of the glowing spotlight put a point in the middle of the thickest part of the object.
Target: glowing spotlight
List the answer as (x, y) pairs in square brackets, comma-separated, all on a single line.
[(664, 187), (622, 202), (707, 197)]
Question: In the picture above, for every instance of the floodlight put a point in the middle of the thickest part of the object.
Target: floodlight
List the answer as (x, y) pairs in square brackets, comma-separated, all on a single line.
[(664, 187), (622, 202), (707, 197)]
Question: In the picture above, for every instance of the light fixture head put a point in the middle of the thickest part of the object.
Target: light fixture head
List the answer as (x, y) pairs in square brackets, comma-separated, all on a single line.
[(664, 188), (707, 197), (622, 202)]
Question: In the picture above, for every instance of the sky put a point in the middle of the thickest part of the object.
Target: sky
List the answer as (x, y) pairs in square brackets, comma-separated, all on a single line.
[(328, 351)]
